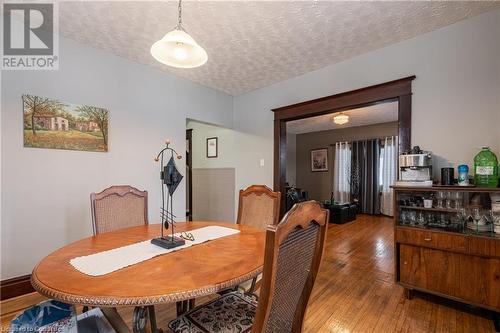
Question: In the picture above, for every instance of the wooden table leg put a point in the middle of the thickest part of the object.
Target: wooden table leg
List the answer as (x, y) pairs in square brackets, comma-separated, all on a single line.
[(408, 293), (152, 320), (182, 307), (496, 320), (192, 303), (115, 320), (178, 306)]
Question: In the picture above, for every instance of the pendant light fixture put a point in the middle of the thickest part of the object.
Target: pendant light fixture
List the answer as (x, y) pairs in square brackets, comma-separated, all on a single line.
[(178, 49), (341, 119)]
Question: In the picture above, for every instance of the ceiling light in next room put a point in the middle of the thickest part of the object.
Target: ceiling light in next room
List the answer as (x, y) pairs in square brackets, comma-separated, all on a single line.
[(341, 119), (178, 49)]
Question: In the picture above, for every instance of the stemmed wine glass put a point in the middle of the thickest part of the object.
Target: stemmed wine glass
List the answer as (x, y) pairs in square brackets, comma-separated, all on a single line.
[(404, 217), (476, 216), (420, 218), (462, 217), (449, 200), (457, 196), (490, 219), (441, 196), (412, 215)]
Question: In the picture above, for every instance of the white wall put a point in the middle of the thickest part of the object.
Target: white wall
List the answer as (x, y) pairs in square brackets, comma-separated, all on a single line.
[(225, 143), (456, 96), (45, 192), (234, 147)]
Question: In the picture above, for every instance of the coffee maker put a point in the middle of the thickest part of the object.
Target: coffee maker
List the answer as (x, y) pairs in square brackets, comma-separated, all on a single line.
[(415, 168)]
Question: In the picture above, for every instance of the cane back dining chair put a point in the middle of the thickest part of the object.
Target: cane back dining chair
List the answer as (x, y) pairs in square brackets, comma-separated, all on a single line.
[(293, 254), (258, 206), (118, 207)]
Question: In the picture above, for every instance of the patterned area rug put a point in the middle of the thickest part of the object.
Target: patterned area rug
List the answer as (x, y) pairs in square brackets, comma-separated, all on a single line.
[(231, 313)]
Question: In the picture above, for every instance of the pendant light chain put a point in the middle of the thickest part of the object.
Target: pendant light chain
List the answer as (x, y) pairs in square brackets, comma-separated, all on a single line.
[(179, 8)]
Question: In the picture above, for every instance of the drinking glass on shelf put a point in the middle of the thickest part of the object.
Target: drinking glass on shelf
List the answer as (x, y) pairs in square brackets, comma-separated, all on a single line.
[(496, 223), (457, 196), (489, 218), (462, 217), (407, 217), (440, 197), (443, 219), (476, 216), (404, 217), (429, 218), (420, 218), (412, 217), (449, 200)]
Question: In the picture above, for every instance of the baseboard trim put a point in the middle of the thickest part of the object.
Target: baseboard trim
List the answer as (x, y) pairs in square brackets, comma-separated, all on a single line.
[(14, 287)]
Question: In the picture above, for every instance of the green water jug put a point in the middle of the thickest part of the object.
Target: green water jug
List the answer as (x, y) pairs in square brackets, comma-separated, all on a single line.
[(486, 168)]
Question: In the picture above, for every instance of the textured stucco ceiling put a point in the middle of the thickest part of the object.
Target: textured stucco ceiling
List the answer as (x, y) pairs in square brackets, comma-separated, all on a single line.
[(375, 114), (252, 44)]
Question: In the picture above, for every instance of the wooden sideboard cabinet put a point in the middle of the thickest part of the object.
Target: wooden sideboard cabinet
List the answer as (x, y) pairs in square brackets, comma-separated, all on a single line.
[(439, 254)]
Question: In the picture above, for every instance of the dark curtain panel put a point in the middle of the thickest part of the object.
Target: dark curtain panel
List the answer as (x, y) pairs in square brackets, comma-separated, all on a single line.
[(364, 175)]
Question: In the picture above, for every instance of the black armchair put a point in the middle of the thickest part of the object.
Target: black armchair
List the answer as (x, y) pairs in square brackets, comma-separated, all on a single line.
[(293, 196)]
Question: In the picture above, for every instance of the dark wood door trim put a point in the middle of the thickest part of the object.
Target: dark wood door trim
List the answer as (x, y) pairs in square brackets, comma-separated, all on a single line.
[(397, 90), (189, 162), (14, 287)]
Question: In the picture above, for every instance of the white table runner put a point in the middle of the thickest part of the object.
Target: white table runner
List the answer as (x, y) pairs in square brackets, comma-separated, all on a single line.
[(112, 260)]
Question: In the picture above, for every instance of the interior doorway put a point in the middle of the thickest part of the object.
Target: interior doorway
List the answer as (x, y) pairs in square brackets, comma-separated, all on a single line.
[(211, 172), (398, 91)]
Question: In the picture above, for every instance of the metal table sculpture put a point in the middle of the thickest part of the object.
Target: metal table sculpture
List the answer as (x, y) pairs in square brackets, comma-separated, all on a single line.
[(170, 178)]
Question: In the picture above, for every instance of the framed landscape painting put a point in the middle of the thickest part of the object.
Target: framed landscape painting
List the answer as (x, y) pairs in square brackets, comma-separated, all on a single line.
[(319, 160), (50, 123)]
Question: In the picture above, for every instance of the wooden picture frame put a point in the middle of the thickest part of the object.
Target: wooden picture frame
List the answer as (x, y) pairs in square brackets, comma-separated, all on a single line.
[(319, 160), (212, 147)]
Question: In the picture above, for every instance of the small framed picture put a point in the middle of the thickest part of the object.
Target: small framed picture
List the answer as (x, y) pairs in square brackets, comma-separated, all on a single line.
[(212, 149), (319, 160)]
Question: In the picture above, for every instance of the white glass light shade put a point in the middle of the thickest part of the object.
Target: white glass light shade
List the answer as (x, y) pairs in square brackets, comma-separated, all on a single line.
[(178, 49), (341, 119)]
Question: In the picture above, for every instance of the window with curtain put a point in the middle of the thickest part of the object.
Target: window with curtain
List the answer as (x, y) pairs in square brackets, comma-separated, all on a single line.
[(342, 172), (388, 174), (365, 185)]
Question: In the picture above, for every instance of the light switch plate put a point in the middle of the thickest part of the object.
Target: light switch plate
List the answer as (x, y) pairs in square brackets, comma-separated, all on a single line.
[(261, 162)]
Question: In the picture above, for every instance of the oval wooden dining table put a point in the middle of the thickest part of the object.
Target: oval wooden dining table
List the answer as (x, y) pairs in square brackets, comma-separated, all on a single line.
[(185, 274)]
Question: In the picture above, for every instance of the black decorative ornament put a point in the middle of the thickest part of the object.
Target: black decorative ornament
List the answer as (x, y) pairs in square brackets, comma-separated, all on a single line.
[(170, 178)]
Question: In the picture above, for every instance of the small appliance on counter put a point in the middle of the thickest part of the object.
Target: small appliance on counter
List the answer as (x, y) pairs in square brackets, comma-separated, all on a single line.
[(463, 175), (415, 168), (447, 176)]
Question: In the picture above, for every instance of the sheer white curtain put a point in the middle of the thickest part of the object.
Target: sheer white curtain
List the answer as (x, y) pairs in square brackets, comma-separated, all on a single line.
[(342, 172), (389, 174)]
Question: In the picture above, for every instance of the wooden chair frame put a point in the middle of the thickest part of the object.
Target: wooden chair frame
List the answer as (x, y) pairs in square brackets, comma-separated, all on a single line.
[(301, 215), (260, 190), (120, 190)]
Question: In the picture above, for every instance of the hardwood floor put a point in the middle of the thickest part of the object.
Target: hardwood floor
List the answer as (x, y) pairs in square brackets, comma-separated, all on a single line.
[(355, 289), (354, 292)]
